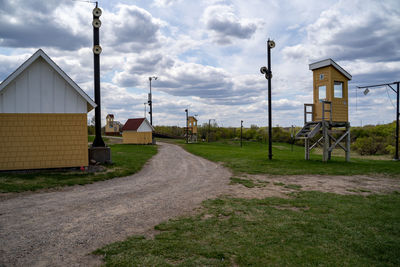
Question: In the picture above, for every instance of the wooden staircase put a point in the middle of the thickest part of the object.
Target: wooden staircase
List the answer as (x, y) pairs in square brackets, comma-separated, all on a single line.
[(309, 130)]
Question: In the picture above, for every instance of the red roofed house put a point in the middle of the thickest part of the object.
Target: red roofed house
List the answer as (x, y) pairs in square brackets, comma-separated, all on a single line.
[(137, 131)]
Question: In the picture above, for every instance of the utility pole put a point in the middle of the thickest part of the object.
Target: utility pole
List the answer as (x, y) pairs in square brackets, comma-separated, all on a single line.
[(397, 92), (268, 75), (150, 100), (241, 132), (292, 137), (98, 151), (98, 140), (187, 126)]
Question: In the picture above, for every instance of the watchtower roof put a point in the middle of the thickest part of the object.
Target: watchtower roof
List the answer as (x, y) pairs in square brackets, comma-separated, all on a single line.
[(329, 62)]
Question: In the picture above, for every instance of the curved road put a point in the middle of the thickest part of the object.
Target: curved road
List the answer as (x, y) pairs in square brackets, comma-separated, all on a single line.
[(61, 228)]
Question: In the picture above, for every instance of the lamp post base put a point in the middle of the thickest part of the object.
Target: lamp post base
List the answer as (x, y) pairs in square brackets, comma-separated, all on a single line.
[(100, 154)]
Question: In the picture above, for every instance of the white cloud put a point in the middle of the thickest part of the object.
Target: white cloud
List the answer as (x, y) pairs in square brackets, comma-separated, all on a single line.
[(226, 26)]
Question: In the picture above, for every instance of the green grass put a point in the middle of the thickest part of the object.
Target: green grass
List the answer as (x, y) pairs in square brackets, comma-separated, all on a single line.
[(248, 183), (127, 159), (252, 158), (309, 229)]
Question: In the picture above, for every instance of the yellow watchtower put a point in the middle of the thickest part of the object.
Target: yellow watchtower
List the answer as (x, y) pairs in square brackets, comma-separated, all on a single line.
[(329, 110), (330, 82), (192, 129)]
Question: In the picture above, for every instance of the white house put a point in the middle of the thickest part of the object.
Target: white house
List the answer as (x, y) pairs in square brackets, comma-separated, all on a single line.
[(43, 117)]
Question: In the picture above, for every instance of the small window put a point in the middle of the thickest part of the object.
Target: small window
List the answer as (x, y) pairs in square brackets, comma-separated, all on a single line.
[(338, 90), (322, 92), (321, 76)]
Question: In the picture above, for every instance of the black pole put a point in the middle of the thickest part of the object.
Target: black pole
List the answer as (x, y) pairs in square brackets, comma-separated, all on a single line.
[(151, 104), (209, 126), (269, 103), (98, 140), (396, 156), (241, 132), (187, 127)]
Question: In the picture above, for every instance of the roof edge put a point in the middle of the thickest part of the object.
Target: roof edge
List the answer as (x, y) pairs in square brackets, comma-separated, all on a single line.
[(31, 59), (329, 62)]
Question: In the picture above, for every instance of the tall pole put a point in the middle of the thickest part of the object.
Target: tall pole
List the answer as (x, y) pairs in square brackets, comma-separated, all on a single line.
[(269, 101), (98, 140), (187, 126), (151, 105), (396, 156), (209, 127), (145, 109), (241, 132)]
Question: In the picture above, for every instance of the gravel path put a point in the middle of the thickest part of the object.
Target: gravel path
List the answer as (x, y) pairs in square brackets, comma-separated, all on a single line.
[(61, 228)]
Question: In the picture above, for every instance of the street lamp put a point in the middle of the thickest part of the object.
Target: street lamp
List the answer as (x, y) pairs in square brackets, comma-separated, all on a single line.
[(209, 128), (268, 75), (150, 100), (241, 132), (187, 126)]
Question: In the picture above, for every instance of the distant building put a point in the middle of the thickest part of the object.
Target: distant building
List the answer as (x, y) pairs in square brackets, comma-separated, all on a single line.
[(43, 117), (192, 129), (137, 131), (112, 127)]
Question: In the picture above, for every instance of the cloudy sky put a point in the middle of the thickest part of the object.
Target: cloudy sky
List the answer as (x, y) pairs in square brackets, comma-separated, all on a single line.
[(207, 54)]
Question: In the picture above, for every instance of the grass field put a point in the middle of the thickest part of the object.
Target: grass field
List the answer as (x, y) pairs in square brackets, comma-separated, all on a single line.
[(252, 158), (127, 159), (308, 229)]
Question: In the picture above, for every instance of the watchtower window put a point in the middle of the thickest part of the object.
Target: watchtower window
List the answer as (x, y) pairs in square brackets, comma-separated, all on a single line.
[(322, 92), (321, 76), (338, 90)]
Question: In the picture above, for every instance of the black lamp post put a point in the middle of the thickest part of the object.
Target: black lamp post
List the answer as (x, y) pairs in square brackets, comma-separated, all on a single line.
[(150, 101), (268, 75), (98, 140), (241, 132), (187, 126)]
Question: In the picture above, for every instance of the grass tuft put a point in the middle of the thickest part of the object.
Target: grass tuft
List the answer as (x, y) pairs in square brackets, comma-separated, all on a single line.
[(127, 159), (311, 228)]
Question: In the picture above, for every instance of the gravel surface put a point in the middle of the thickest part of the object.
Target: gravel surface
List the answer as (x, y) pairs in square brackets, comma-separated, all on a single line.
[(61, 228)]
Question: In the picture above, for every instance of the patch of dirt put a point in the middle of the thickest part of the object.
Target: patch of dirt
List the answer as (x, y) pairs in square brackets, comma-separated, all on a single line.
[(281, 186), (62, 227)]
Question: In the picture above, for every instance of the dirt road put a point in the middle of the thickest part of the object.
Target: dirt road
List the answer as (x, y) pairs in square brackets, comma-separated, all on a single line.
[(60, 228)]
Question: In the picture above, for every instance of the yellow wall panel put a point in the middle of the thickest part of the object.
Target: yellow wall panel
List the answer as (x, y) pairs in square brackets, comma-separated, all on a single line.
[(37, 141), (131, 137)]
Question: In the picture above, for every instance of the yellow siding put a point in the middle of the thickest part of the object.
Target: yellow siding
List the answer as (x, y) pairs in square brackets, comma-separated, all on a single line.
[(37, 141), (131, 137), (339, 105)]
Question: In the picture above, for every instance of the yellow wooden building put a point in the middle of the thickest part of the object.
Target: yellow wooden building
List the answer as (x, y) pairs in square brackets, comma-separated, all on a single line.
[(112, 127), (137, 131), (329, 110), (330, 82), (43, 117), (192, 129)]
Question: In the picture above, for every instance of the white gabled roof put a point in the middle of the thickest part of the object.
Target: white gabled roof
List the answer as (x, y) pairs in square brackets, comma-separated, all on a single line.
[(329, 62), (29, 61)]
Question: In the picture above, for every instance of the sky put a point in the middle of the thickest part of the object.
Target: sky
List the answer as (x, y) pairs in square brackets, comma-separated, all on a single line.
[(207, 54)]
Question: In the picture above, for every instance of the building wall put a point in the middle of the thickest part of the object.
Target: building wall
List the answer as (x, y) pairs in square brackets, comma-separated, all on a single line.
[(132, 137), (339, 105), (40, 89), (36, 141), (145, 127)]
